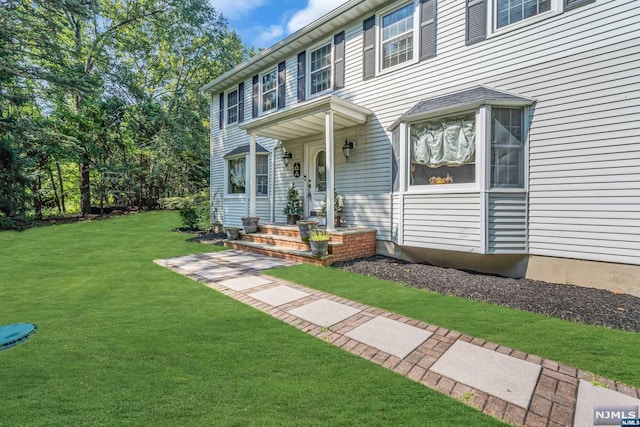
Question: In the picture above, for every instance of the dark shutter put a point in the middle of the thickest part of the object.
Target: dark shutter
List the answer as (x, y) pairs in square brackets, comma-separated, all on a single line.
[(338, 46), (241, 102), (476, 21), (302, 83), (282, 77), (570, 4), (254, 97), (221, 112), (427, 29), (369, 48)]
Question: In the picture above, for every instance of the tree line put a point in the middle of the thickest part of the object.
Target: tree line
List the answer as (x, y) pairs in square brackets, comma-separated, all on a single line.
[(100, 102)]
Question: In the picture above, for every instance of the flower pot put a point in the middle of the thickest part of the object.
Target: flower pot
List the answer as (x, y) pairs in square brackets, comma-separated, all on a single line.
[(337, 221), (250, 224), (319, 248), (232, 233), (292, 219), (305, 228)]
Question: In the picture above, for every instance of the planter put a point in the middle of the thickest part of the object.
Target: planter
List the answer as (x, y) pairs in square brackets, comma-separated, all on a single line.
[(337, 221), (305, 228), (319, 248), (250, 224), (292, 219), (232, 233)]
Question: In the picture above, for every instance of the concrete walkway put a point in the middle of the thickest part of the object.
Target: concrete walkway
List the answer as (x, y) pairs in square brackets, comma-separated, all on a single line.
[(521, 389)]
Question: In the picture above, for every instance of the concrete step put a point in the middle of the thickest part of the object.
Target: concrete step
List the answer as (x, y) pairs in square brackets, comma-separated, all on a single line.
[(288, 253)]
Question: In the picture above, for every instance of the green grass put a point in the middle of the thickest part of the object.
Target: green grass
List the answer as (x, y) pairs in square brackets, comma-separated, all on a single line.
[(611, 353), (122, 341)]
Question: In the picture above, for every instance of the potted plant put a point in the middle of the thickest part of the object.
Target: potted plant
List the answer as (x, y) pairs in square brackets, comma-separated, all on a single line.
[(338, 208), (305, 228), (293, 209), (319, 242), (232, 232), (250, 224)]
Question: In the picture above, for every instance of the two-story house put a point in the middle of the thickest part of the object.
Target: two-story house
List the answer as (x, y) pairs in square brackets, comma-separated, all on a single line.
[(493, 135)]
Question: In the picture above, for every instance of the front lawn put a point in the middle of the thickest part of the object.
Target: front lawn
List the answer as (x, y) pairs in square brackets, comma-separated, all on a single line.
[(122, 341)]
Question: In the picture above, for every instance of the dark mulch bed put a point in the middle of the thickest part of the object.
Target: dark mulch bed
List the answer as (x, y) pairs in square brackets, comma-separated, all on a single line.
[(207, 237), (568, 302)]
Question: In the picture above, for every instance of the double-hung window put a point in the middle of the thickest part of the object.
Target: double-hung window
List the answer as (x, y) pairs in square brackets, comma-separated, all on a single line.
[(269, 87), (508, 12), (507, 147), (397, 36), (320, 69), (262, 175), (232, 106), (236, 175)]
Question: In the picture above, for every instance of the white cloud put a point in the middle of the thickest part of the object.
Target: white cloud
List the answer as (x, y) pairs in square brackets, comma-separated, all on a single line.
[(268, 35), (232, 9), (314, 10)]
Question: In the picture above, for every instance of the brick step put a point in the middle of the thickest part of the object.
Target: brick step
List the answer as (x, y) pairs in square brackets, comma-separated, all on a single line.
[(290, 254), (279, 230), (282, 241)]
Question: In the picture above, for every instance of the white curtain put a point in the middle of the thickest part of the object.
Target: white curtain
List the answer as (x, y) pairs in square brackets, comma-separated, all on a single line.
[(450, 143)]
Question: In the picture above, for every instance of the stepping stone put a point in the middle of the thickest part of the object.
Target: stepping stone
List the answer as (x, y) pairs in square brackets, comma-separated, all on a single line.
[(324, 312), (279, 295), (265, 264), (503, 376), (591, 397), (244, 283), (390, 336), (216, 273), (195, 266)]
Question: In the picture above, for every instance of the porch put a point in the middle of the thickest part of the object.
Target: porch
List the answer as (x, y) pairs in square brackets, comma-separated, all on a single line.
[(283, 241)]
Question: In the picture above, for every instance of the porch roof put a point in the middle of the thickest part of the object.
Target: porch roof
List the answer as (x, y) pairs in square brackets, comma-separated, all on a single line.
[(308, 118)]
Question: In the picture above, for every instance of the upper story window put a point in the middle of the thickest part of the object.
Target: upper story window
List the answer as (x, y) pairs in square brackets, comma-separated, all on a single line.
[(320, 69), (269, 87), (511, 11), (232, 106), (397, 36)]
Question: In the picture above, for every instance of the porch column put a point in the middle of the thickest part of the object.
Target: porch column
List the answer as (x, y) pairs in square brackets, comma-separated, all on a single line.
[(329, 169), (252, 175)]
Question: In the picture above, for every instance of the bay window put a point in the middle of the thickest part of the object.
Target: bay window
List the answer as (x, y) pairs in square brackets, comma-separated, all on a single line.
[(237, 175), (507, 147), (443, 151)]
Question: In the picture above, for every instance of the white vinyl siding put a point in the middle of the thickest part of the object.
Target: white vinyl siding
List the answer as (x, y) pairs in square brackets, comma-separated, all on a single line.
[(507, 223), (443, 221), (584, 153)]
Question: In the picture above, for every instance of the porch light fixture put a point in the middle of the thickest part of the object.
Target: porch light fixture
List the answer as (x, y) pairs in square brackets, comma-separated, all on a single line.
[(346, 148), (286, 157)]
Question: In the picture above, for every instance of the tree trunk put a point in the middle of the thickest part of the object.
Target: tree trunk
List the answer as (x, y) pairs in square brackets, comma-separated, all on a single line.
[(85, 187), (55, 190), (61, 182)]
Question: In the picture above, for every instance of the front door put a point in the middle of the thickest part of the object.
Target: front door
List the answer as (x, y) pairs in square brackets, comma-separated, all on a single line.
[(316, 192)]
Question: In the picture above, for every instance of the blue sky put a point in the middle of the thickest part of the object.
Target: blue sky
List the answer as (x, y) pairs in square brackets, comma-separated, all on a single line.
[(261, 23)]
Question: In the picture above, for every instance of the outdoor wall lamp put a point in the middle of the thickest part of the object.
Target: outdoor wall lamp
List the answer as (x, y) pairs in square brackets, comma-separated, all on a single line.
[(286, 157), (346, 148)]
